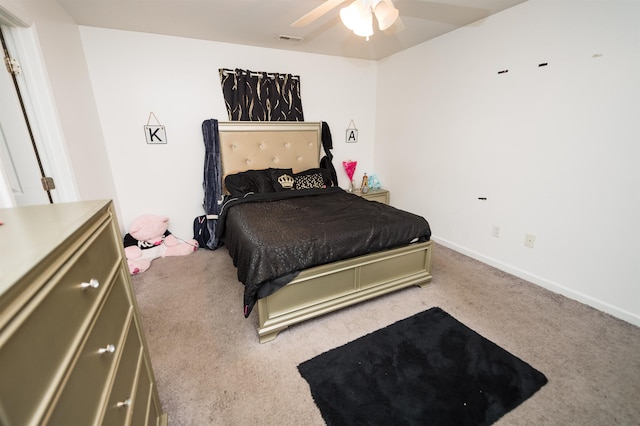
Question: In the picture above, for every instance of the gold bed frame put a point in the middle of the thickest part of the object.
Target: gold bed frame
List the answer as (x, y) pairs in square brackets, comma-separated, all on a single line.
[(326, 288)]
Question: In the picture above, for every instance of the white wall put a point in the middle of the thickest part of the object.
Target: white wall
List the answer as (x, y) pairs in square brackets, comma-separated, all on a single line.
[(553, 149), (134, 74)]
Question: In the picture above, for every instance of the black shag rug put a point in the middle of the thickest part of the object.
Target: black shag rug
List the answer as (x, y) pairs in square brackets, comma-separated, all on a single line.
[(429, 369)]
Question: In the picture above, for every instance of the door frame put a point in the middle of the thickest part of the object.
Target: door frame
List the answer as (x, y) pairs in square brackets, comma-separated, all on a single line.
[(39, 104)]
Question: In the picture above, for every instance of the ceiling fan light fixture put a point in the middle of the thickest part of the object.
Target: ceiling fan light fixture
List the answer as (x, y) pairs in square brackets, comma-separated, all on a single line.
[(353, 14), (364, 27), (386, 14)]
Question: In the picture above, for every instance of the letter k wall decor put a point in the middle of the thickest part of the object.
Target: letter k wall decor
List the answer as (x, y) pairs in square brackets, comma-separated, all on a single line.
[(155, 133)]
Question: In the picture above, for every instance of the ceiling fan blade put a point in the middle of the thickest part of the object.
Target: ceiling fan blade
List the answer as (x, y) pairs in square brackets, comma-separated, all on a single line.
[(440, 12), (317, 13)]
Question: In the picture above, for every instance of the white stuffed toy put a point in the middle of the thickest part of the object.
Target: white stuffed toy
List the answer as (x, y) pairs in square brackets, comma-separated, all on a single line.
[(148, 239)]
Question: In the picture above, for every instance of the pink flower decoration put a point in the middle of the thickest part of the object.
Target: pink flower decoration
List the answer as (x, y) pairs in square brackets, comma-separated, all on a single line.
[(350, 168)]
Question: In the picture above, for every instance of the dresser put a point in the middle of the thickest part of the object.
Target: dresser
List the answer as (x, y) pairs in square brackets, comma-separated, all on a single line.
[(72, 350)]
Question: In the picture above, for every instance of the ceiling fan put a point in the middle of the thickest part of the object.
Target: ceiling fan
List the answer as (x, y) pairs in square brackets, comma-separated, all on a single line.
[(358, 16)]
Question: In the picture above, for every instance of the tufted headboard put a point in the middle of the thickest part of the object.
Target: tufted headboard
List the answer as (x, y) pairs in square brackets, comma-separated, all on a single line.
[(251, 145)]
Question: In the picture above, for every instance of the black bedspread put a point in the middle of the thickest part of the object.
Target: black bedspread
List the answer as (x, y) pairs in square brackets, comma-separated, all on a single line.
[(273, 236)]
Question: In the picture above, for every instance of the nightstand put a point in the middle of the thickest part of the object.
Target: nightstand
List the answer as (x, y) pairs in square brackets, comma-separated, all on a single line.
[(379, 195)]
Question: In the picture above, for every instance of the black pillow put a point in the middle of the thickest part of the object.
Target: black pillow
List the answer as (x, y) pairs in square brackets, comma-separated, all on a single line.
[(312, 178), (282, 179), (257, 181)]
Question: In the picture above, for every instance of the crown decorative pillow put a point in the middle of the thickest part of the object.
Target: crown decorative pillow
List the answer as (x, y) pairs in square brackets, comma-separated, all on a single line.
[(286, 181), (282, 179)]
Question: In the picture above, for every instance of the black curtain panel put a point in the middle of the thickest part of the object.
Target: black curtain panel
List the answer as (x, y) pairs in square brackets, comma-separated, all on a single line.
[(261, 96)]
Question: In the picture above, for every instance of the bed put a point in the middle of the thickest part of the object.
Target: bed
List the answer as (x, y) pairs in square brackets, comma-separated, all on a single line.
[(333, 263)]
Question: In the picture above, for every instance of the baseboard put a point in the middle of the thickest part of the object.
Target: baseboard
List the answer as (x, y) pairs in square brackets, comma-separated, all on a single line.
[(544, 283)]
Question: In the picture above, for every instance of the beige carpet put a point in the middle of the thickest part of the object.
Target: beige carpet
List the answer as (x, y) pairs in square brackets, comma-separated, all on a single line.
[(211, 370)]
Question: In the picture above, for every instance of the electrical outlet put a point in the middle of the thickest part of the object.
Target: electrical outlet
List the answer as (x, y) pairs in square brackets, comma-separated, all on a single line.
[(529, 240), (496, 231)]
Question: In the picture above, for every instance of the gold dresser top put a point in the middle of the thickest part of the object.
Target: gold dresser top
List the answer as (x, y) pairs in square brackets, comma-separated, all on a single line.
[(28, 234)]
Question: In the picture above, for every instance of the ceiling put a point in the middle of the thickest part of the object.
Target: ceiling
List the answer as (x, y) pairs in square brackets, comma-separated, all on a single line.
[(262, 22)]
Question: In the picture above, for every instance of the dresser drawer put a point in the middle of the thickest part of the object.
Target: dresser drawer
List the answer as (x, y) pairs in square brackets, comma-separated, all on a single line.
[(44, 335), (121, 398), (155, 416), (82, 394), (140, 414)]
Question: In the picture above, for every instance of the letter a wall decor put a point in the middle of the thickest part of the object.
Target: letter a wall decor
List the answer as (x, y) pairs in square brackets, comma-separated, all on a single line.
[(352, 133)]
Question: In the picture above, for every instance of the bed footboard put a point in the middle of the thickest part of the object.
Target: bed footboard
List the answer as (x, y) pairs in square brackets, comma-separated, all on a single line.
[(328, 288)]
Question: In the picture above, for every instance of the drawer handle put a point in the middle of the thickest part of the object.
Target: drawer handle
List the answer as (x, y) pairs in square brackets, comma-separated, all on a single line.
[(109, 348), (125, 403), (93, 283)]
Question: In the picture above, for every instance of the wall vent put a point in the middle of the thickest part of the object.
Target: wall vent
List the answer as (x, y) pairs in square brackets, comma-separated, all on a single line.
[(289, 38)]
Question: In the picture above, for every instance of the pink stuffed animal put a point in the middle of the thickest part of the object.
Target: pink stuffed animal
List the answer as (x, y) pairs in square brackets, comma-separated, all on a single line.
[(148, 239)]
